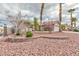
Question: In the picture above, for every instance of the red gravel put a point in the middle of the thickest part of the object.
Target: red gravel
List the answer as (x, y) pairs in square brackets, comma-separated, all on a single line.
[(42, 46)]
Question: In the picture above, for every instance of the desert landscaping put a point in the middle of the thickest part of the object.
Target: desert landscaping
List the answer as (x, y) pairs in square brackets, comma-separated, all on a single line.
[(64, 45), (39, 29)]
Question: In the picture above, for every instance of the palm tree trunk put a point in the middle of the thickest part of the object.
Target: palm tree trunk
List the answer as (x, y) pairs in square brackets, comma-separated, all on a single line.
[(60, 16), (41, 13), (74, 25), (71, 22)]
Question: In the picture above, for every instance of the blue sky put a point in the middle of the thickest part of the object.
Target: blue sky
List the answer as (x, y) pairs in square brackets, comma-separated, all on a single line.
[(30, 10)]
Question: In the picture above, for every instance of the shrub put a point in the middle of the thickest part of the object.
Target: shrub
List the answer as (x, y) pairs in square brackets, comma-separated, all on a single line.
[(29, 34), (76, 30), (63, 26)]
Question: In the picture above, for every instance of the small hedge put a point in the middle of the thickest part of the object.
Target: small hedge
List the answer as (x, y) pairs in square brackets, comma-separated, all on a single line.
[(29, 34), (76, 30)]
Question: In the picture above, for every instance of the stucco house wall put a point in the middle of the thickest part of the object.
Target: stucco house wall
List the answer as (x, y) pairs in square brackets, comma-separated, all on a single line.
[(54, 24)]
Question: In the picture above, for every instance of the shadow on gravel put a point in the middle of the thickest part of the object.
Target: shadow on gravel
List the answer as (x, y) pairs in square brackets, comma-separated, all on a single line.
[(58, 38), (17, 40)]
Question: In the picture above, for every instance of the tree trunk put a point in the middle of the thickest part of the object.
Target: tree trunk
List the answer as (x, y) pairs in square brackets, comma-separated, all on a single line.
[(74, 25), (71, 22), (60, 16), (41, 13)]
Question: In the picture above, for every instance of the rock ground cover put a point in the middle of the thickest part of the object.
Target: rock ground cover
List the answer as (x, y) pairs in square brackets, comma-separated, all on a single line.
[(42, 46)]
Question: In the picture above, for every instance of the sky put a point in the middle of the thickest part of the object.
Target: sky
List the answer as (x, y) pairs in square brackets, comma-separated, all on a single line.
[(31, 10)]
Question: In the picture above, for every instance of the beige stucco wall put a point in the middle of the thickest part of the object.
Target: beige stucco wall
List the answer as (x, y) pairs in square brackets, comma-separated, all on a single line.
[(1, 30)]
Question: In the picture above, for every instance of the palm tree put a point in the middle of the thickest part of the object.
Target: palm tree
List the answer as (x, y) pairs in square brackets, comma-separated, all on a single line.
[(41, 13), (36, 24), (74, 20), (60, 16), (71, 12)]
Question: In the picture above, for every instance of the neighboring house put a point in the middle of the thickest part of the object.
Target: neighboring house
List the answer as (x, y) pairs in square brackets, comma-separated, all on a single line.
[(24, 27), (53, 24), (77, 27), (8, 24), (1, 30)]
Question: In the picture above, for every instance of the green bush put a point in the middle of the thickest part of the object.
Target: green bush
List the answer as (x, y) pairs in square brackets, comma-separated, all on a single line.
[(76, 30), (63, 26), (29, 34)]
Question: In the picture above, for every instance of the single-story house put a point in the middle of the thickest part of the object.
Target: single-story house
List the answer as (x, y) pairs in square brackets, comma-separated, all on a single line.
[(8, 24), (53, 24)]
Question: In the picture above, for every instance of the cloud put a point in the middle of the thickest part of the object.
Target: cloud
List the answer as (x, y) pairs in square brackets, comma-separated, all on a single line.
[(30, 10)]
